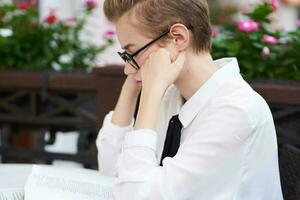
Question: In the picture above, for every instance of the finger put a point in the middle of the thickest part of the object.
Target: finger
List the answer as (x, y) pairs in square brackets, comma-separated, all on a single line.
[(165, 54), (180, 60), (164, 51)]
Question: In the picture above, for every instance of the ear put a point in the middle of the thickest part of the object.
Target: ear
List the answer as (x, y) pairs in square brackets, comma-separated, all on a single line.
[(180, 37)]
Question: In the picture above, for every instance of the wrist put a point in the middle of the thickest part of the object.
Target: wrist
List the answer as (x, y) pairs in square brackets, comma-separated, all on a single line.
[(149, 108), (153, 91), (130, 91), (125, 107)]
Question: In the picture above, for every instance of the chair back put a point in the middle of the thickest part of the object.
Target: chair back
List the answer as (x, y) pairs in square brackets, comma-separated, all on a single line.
[(289, 165)]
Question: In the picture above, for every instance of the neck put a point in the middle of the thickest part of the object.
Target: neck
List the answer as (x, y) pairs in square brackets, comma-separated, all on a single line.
[(197, 70)]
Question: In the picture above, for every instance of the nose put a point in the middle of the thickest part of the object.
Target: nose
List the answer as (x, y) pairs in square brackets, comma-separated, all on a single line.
[(128, 69)]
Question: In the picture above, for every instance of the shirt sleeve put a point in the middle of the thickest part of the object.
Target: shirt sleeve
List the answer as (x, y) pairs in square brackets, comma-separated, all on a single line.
[(213, 149), (109, 143)]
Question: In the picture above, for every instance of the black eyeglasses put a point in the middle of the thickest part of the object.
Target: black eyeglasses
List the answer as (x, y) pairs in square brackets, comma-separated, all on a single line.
[(129, 58)]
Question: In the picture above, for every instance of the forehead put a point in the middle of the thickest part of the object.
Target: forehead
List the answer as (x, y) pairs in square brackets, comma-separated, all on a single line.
[(128, 33)]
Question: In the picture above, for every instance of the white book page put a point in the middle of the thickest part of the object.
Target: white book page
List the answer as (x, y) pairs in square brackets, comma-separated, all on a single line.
[(48, 183)]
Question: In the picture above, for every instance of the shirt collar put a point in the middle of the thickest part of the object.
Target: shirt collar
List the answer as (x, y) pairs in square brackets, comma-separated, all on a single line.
[(227, 68)]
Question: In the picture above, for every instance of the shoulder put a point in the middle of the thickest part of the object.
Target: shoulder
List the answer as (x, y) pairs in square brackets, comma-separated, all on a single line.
[(240, 98)]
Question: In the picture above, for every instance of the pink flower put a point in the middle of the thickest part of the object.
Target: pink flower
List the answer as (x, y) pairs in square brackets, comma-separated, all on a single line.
[(50, 19), (265, 52), (70, 21), (298, 22), (275, 4), (247, 25), (109, 34), (90, 4), (24, 6), (33, 2), (269, 39), (215, 31)]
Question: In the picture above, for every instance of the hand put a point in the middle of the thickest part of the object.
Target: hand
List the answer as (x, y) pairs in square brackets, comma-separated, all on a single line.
[(131, 87), (126, 104), (159, 72)]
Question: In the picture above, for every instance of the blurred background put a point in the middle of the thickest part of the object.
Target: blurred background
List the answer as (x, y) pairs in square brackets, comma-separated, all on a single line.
[(60, 74)]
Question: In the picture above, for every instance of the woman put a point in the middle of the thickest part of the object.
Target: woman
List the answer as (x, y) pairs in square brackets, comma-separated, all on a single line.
[(227, 148)]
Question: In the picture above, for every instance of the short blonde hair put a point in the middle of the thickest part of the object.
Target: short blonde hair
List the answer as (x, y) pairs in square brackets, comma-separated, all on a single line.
[(155, 16)]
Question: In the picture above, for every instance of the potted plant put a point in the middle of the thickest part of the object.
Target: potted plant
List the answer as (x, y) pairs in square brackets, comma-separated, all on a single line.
[(27, 43), (45, 81), (45, 54), (269, 59), (263, 53)]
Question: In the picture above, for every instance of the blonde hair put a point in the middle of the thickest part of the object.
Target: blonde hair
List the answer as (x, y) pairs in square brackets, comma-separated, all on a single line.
[(155, 16)]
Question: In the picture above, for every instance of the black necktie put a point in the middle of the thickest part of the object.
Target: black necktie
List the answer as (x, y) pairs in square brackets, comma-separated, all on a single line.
[(172, 139)]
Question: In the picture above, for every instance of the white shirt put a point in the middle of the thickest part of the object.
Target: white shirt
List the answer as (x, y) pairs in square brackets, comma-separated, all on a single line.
[(228, 148)]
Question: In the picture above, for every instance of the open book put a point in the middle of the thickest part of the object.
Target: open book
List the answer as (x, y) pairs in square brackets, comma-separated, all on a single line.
[(49, 183), (11, 194)]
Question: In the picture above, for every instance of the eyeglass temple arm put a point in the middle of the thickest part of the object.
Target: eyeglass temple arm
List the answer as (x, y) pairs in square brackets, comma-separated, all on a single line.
[(150, 43)]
